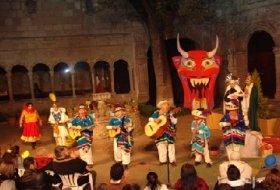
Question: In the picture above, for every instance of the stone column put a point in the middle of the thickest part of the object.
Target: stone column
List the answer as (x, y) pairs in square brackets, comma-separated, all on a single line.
[(51, 72), (112, 78), (10, 85), (131, 81), (276, 51), (92, 73), (73, 82), (30, 76)]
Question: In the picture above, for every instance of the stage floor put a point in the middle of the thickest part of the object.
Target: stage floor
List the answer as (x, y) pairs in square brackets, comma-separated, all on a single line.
[(144, 157)]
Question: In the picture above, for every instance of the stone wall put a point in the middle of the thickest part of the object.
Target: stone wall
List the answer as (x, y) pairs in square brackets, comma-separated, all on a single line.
[(62, 31)]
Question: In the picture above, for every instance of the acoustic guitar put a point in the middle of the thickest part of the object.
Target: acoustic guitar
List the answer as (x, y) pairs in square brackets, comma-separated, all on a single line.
[(75, 132), (156, 129), (114, 132)]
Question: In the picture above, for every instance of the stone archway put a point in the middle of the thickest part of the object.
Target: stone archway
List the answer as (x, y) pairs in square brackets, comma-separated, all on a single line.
[(102, 77), (62, 79), (121, 77), (41, 80), (261, 57), (83, 82), (20, 82), (3, 85)]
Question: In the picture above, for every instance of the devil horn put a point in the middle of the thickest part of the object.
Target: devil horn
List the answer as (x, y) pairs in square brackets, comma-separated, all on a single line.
[(182, 52), (213, 52)]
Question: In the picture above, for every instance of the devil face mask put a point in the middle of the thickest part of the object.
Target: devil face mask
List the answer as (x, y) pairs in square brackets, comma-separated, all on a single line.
[(198, 71)]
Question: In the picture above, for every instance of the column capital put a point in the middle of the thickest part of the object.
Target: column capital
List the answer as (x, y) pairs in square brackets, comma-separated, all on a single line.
[(30, 73), (8, 74), (276, 50)]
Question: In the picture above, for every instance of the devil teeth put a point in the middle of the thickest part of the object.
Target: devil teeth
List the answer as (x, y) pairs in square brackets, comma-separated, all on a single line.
[(195, 81), (192, 82)]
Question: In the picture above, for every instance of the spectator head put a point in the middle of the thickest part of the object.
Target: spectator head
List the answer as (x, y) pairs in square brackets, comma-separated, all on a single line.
[(271, 182), (102, 186), (235, 156), (29, 163), (188, 176), (117, 172), (14, 150), (61, 152), (152, 179), (275, 171), (12, 155), (233, 173), (270, 161), (7, 168)]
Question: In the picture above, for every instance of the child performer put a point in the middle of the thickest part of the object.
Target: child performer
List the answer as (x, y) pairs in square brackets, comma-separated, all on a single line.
[(201, 135), (58, 119), (123, 140)]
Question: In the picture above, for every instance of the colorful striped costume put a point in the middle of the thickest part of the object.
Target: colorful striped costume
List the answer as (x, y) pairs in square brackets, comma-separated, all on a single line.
[(165, 143), (169, 134), (201, 135), (86, 138), (235, 133), (124, 140)]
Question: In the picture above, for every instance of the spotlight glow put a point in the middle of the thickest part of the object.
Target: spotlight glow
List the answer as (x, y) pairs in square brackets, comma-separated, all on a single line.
[(66, 70)]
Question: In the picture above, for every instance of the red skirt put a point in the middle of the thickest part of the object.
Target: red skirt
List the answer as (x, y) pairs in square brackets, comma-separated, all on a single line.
[(31, 132)]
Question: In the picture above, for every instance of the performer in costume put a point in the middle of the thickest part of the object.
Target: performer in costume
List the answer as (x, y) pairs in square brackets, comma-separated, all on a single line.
[(123, 141), (83, 123), (233, 91), (250, 104), (58, 119), (30, 121), (166, 141), (201, 136), (233, 128)]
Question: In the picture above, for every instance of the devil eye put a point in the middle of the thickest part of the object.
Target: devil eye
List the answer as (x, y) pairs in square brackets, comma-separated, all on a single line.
[(208, 63), (189, 63)]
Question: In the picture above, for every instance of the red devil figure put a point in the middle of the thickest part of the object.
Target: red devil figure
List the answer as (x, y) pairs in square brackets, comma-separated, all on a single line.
[(198, 71)]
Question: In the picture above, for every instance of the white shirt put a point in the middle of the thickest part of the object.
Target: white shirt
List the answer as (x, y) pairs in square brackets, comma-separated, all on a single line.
[(162, 187)]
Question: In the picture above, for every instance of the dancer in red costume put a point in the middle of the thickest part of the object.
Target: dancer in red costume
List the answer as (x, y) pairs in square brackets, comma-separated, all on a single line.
[(30, 121)]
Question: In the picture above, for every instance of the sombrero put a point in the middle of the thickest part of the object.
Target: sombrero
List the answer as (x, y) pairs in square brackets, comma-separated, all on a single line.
[(160, 104)]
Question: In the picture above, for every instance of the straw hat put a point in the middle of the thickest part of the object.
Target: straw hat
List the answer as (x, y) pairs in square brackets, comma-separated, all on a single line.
[(161, 103), (198, 113), (119, 108), (82, 106), (232, 105)]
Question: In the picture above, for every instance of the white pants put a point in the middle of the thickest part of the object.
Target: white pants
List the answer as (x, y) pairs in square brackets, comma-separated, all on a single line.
[(61, 141), (120, 155), (162, 152), (198, 157), (61, 136), (232, 148), (86, 155)]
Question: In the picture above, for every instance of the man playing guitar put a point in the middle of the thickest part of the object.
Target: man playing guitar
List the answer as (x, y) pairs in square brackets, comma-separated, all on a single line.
[(84, 122), (166, 141), (123, 141)]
